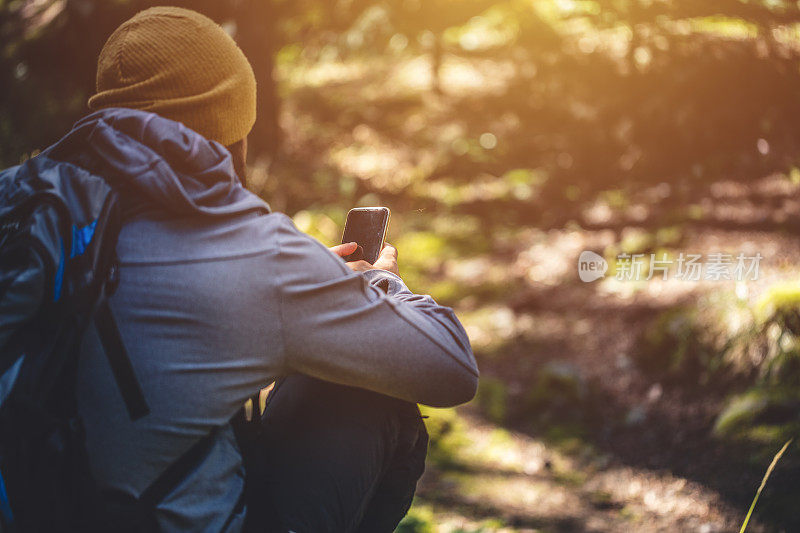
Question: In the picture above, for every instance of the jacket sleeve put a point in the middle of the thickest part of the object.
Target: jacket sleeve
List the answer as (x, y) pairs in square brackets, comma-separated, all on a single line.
[(368, 330)]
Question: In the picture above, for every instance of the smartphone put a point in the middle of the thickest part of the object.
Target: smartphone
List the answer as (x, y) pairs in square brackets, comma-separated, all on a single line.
[(367, 227)]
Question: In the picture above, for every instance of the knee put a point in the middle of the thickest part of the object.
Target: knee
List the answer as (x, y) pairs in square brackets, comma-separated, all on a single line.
[(344, 413)]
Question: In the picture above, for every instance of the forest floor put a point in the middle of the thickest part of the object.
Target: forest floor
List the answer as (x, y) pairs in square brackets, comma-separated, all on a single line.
[(569, 431), (625, 450)]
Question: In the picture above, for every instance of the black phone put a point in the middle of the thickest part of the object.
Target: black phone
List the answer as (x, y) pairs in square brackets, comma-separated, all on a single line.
[(367, 227)]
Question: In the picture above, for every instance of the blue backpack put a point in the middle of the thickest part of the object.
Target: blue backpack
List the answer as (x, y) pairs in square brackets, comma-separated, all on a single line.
[(58, 231)]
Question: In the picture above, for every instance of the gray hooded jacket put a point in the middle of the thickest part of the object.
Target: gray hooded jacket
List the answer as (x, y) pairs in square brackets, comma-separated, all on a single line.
[(217, 298)]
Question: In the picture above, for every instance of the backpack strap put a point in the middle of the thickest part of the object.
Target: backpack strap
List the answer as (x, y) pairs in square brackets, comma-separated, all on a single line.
[(102, 262), (178, 471), (124, 513), (120, 362)]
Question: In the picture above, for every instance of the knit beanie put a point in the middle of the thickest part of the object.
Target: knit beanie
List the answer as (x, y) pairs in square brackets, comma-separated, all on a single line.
[(183, 66)]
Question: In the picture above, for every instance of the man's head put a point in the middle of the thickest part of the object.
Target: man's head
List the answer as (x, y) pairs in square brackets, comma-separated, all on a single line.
[(183, 66)]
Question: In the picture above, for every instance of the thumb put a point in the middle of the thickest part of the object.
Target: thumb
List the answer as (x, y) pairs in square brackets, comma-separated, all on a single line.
[(344, 249)]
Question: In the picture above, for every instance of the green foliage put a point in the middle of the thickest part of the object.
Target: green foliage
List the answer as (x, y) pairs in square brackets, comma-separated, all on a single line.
[(321, 225), (445, 241), (780, 305), (486, 526), (418, 520), (769, 412), (602, 94), (492, 397), (674, 344), (763, 415), (716, 338), (778, 313), (731, 341), (422, 249), (559, 401), (558, 383), (446, 433)]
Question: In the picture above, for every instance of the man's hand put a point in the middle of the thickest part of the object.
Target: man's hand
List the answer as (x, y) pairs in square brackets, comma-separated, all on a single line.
[(386, 261), (343, 250)]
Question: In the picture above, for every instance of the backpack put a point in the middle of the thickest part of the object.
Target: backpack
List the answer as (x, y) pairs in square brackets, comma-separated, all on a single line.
[(58, 231), (59, 225)]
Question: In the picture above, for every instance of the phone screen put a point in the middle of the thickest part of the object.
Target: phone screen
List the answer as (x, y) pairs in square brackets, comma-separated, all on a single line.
[(367, 227)]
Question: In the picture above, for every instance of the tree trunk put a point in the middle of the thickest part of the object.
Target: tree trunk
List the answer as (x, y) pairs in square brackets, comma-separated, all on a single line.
[(255, 23)]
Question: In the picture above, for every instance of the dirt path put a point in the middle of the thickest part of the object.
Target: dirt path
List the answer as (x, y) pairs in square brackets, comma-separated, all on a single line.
[(626, 450), (509, 481)]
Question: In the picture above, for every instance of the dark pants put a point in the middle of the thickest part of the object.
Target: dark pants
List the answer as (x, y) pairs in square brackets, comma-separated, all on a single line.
[(330, 458)]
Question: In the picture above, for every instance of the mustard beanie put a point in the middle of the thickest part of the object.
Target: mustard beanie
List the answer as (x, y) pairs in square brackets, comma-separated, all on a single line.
[(183, 66)]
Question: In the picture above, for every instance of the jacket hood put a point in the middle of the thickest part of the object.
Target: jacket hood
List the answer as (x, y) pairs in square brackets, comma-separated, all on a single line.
[(154, 160)]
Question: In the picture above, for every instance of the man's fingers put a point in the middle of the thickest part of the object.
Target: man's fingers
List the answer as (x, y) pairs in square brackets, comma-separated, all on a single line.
[(388, 259), (344, 249), (389, 251), (359, 266)]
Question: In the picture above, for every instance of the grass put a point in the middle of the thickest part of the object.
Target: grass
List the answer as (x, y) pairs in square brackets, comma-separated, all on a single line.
[(763, 484)]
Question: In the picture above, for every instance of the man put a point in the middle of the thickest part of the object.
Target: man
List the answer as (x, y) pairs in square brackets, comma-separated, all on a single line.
[(218, 297)]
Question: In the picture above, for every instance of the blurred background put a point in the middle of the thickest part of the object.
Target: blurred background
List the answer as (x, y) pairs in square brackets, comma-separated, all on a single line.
[(507, 136)]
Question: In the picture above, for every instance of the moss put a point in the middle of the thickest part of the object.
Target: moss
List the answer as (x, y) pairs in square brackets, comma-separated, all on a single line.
[(487, 526), (740, 411), (701, 343), (673, 344), (762, 415), (418, 520), (447, 435), (569, 439), (492, 397), (558, 393), (570, 478), (780, 304)]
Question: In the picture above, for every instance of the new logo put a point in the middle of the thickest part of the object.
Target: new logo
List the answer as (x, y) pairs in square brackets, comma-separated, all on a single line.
[(591, 266)]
